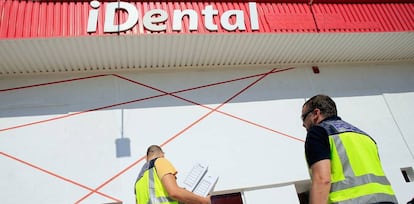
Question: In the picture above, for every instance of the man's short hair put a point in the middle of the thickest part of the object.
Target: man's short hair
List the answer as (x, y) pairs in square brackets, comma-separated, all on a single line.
[(323, 103), (154, 149)]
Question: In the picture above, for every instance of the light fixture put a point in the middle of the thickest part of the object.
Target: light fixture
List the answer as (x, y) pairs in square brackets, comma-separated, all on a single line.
[(123, 144)]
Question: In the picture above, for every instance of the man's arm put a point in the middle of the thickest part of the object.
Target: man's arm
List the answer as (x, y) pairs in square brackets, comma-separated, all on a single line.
[(321, 182), (180, 194)]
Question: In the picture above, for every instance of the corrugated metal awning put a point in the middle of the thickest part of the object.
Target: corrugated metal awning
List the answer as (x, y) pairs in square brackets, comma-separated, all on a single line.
[(200, 50)]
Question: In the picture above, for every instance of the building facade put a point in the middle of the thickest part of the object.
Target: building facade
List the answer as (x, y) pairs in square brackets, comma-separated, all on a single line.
[(87, 86)]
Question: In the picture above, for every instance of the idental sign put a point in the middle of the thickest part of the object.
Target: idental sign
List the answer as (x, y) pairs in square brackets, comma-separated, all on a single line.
[(155, 19)]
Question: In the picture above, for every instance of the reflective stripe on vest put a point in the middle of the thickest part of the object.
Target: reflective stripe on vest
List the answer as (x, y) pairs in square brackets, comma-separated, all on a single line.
[(350, 188), (352, 180), (152, 190)]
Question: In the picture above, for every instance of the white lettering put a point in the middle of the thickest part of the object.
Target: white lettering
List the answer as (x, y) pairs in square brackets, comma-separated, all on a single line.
[(93, 17), (225, 20), (155, 19), (111, 8), (178, 17), (254, 20), (209, 13)]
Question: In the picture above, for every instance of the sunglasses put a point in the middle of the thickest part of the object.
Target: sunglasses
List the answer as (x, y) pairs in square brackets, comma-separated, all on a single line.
[(306, 114)]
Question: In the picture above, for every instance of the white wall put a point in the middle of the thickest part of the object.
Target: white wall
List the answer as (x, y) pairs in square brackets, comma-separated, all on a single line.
[(287, 194), (57, 140)]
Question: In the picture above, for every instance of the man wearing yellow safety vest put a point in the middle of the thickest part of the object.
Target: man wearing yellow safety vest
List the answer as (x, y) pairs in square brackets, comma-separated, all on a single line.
[(344, 161), (156, 183)]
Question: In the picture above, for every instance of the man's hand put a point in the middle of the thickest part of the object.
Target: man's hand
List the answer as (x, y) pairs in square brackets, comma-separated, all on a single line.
[(181, 194), (208, 200)]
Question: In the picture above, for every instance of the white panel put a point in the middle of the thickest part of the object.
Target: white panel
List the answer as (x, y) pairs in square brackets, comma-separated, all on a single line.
[(400, 105), (242, 141), (284, 194)]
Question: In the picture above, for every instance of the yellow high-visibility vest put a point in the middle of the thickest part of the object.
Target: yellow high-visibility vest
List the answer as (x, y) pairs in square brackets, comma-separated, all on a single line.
[(149, 189), (356, 172)]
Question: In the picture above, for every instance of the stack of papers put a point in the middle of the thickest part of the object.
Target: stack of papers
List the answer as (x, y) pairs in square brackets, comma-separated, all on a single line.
[(199, 181)]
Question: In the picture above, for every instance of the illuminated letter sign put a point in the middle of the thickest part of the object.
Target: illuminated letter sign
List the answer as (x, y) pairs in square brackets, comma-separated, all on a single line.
[(209, 13), (155, 19), (110, 27), (150, 22)]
